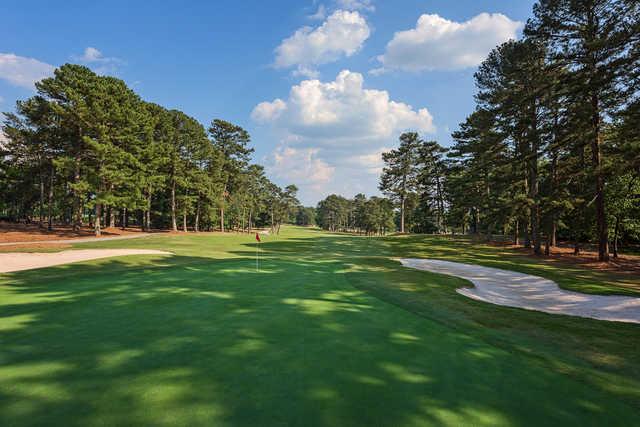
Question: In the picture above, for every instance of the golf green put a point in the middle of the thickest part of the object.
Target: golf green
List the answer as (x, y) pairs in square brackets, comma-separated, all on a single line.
[(331, 331)]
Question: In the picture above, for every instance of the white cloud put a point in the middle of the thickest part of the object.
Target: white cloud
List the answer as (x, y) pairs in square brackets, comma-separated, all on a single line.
[(334, 133), (439, 44), (268, 111), (371, 162), (341, 34), (307, 72), (300, 166), (98, 62), (320, 14), (342, 111), (91, 54), (356, 5), (23, 71)]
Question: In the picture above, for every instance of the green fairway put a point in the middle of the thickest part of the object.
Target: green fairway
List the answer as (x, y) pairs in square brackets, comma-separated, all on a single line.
[(331, 331)]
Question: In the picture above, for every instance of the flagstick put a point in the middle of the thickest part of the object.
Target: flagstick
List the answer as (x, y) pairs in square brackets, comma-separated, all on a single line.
[(257, 268)]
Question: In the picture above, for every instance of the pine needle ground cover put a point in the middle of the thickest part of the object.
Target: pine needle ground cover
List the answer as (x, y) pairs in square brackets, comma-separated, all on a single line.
[(331, 331)]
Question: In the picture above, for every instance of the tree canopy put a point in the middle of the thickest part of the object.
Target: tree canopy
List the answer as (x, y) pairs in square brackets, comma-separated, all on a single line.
[(86, 149)]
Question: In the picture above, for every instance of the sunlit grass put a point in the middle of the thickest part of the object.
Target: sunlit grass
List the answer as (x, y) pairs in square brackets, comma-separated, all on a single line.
[(330, 331)]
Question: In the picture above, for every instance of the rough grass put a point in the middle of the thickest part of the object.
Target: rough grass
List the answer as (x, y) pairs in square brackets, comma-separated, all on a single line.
[(332, 331)]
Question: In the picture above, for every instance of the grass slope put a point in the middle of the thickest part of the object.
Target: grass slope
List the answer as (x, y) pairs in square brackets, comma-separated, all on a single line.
[(332, 331)]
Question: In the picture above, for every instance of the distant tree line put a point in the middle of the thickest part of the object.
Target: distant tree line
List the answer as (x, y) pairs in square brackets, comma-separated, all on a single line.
[(551, 151), (88, 150), (372, 216)]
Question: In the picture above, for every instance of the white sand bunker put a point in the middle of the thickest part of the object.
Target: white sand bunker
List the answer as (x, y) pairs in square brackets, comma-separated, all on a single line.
[(26, 261), (520, 290)]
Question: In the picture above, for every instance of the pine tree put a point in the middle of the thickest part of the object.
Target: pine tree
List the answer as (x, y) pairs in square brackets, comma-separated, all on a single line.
[(591, 38), (399, 176)]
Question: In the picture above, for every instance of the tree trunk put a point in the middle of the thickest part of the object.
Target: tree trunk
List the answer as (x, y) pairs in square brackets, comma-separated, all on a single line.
[(402, 197), (112, 217), (41, 205), (596, 152), (547, 250), (123, 224), (554, 183), (439, 202), (196, 225), (616, 231), (98, 218), (533, 186), (174, 223), (147, 212), (516, 234), (249, 224), (272, 225), (50, 200), (184, 219), (476, 220), (77, 201)]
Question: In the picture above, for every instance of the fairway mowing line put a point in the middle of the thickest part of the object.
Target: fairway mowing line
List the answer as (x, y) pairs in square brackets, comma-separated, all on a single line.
[(513, 289), (18, 261)]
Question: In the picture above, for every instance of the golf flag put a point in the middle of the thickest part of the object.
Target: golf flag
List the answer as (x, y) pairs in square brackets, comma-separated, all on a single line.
[(257, 237)]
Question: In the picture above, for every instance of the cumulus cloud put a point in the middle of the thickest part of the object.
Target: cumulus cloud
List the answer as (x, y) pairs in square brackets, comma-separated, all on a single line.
[(23, 71), (342, 111), (334, 132), (268, 111), (301, 166), (439, 44), (371, 162), (341, 34), (356, 5), (91, 54), (95, 59), (320, 14)]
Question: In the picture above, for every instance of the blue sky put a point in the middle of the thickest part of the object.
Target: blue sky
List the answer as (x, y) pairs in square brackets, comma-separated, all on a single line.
[(322, 86)]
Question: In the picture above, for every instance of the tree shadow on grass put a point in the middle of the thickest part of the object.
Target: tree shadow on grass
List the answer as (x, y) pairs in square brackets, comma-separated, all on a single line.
[(197, 341)]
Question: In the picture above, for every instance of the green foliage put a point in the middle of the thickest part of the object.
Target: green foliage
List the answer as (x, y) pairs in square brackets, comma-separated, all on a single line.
[(361, 215), (87, 148)]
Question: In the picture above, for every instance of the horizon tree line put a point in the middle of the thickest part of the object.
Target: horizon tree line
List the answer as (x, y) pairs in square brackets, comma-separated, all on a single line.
[(86, 149)]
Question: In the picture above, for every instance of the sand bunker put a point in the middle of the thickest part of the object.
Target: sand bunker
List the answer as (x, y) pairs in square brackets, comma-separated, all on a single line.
[(26, 261), (520, 290)]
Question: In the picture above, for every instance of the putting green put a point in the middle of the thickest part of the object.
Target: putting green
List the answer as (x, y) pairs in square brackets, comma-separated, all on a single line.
[(330, 332)]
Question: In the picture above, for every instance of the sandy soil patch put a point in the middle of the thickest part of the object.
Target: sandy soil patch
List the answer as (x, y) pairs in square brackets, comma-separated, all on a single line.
[(26, 261), (513, 289), (624, 264), (15, 233)]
